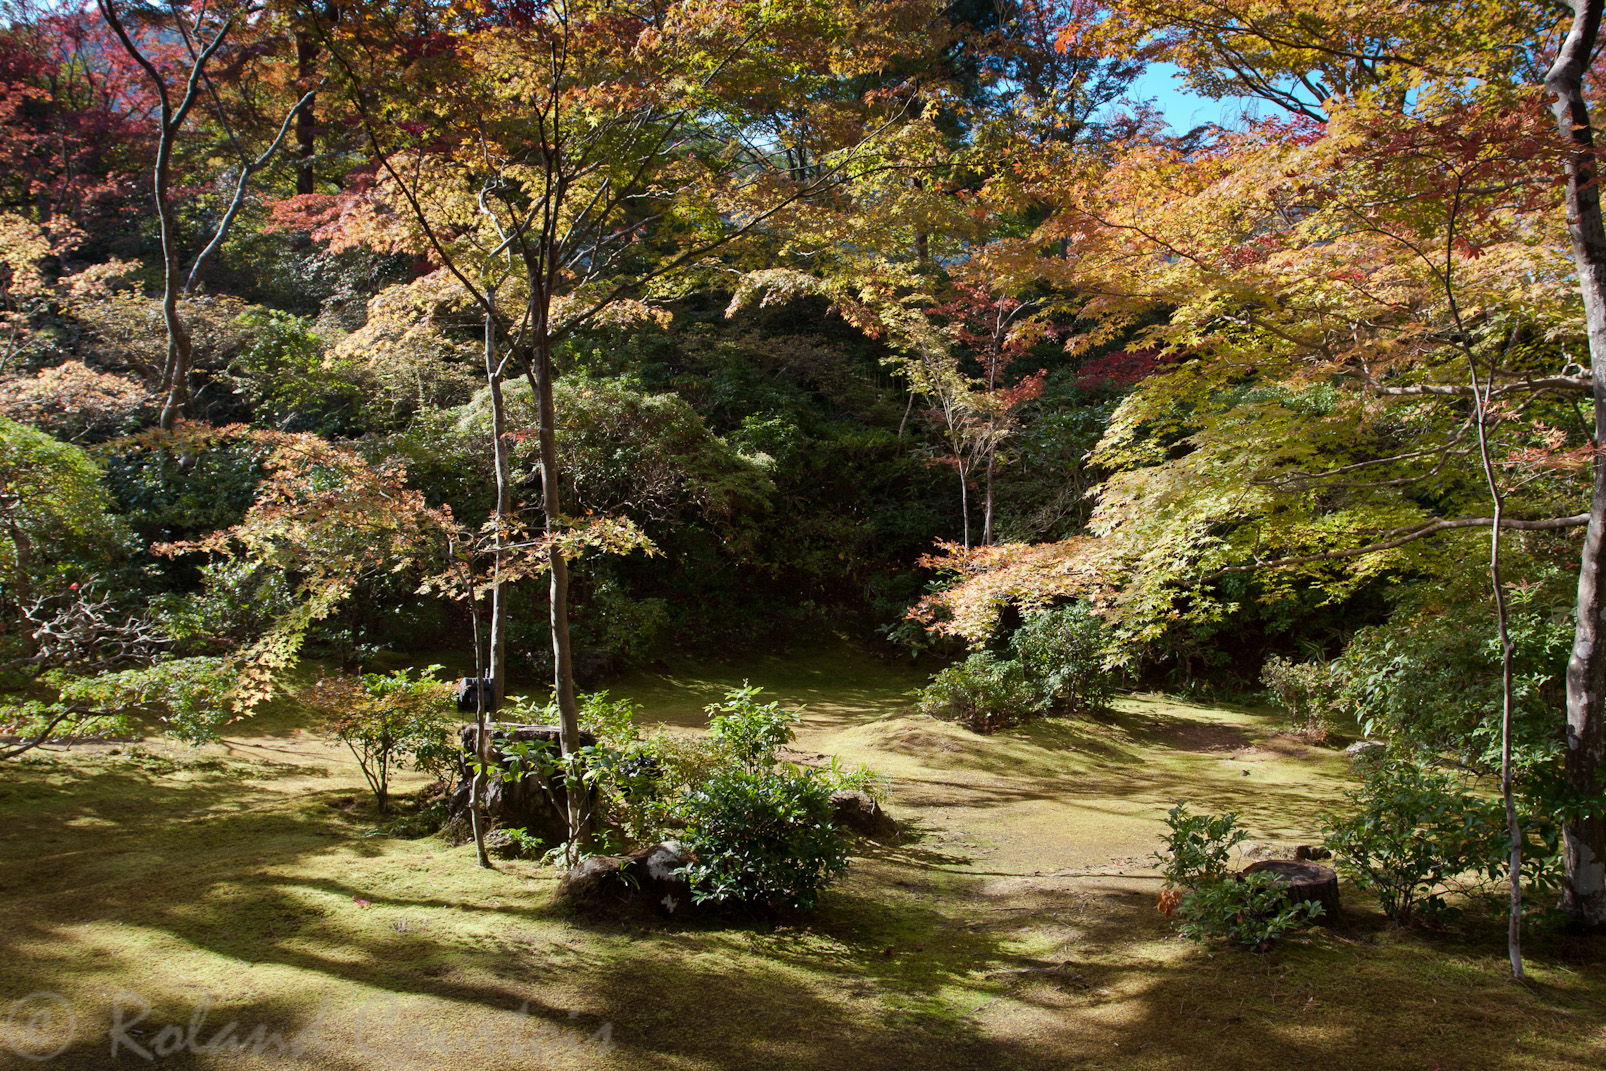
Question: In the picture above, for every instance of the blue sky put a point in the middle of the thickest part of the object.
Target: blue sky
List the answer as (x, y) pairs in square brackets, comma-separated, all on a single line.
[(1185, 110)]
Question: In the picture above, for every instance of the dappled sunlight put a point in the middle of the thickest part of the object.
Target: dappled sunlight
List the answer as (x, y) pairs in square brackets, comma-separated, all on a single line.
[(1012, 924)]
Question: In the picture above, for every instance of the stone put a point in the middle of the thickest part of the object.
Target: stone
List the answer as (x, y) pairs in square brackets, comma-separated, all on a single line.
[(644, 881), (1304, 882), (592, 666), (858, 812), (526, 804), (1363, 748)]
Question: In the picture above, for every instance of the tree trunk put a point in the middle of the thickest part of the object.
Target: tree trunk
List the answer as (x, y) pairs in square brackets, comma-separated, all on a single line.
[(306, 115), (476, 796), (176, 369), (964, 504), (562, 661), (987, 513), (504, 506), (1480, 400), (1584, 889)]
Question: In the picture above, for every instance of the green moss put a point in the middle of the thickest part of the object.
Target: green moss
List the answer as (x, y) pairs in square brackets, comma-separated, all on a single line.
[(1013, 927)]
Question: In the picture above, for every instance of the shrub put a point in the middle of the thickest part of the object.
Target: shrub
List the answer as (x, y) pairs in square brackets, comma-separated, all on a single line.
[(750, 732), (984, 693), (1252, 910), (1198, 847), (1062, 653), (1429, 679), (1207, 899), (389, 721), (762, 831), (763, 837), (1413, 831), (1309, 694)]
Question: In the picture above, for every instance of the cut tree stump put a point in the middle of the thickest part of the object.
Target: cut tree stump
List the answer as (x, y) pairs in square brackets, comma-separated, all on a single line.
[(1305, 882)]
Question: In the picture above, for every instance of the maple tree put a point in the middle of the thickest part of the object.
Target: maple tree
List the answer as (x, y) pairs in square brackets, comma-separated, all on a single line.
[(555, 135), (177, 77)]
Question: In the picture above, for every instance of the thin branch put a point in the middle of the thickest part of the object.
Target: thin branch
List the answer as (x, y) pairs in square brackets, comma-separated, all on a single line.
[(1550, 524)]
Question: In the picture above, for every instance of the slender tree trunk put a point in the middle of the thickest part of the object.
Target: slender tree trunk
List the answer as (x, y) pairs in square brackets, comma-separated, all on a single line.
[(964, 503), (504, 506), (1480, 400), (482, 747), (1584, 834), (482, 752), (562, 661), (987, 513), (176, 369)]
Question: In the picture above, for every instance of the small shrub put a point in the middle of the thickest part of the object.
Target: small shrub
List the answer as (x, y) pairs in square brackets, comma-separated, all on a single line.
[(1311, 695), (763, 837), (748, 731), (984, 693), (762, 831), (860, 778), (1207, 899), (425, 822), (1198, 847), (1252, 910), (1414, 830), (389, 721), (524, 843), (1062, 653)]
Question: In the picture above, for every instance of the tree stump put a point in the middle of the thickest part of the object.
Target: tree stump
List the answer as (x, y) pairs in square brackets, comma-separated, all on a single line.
[(1304, 882)]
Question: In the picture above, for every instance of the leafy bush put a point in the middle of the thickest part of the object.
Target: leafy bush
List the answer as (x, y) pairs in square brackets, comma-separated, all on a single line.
[(238, 601), (1059, 669), (762, 830), (1062, 653), (281, 374), (763, 837), (1413, 831), (984, 693), (192, 697), (424, 822), (1252, 910), (1311, 695), (1198, 847), (389, 721), (1429, 679), (750, 732), (1207, 899), (628, 629)]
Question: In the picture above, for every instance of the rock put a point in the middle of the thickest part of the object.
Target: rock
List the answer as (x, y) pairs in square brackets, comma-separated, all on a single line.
[(524, 804), (643, 881), (1305, 882), (1363, 748), (501, 845), (1307, 852), (592, 666), (858, 812)]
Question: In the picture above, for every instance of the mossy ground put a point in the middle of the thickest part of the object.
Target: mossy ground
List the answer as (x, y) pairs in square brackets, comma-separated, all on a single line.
[(1014, 926)]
